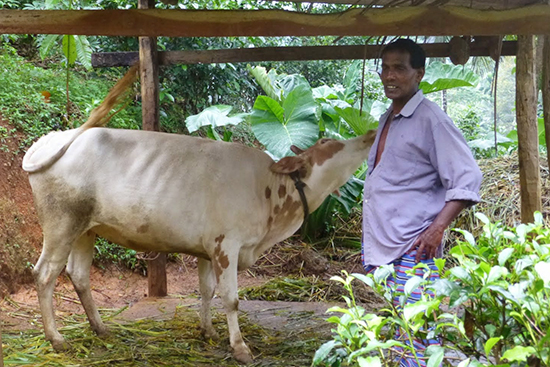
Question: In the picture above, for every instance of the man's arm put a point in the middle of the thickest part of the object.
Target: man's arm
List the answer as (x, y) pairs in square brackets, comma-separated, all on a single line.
[(429, 240)]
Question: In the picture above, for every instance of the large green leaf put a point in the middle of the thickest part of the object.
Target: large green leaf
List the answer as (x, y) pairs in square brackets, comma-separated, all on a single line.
[(69, 49), (441, 76), (353, 74), (360, 122), (267, 81), (290, 82), (47, 45), (324, 92), (297, 125), (214, 116), (83, 51)]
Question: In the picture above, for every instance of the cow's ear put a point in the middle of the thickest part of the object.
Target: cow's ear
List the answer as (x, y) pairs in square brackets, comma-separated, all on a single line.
[(296, 150), (288, 165)]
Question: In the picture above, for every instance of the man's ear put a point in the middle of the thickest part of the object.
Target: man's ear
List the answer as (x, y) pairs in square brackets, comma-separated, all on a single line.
[(296, 150), (421, 72), (288, 165)]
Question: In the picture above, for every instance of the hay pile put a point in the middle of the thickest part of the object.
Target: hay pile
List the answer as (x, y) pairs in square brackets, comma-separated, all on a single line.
[(173, 342)]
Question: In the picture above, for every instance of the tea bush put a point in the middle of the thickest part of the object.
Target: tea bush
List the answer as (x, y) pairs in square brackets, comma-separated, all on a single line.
[(492, 308)]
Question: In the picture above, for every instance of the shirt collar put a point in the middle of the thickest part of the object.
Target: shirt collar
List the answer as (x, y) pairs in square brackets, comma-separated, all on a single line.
[(411, 105)]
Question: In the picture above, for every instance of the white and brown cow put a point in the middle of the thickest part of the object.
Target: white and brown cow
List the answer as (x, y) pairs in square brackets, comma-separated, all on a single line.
[(222, 202)]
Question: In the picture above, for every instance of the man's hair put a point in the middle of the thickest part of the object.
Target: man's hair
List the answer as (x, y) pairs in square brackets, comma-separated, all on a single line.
[(416, 52)]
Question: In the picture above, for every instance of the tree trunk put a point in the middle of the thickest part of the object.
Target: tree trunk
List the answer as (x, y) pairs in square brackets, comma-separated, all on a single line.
[(526, 113)]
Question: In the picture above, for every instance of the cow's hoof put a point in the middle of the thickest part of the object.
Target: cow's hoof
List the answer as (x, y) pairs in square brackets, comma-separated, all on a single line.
[(60, 345), (243, 356), (103, 333), (210, 334)]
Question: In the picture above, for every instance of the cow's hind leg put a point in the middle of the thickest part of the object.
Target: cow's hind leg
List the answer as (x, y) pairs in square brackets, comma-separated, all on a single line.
[(207, 285), (78, 268), (225, 268), (55, 251)]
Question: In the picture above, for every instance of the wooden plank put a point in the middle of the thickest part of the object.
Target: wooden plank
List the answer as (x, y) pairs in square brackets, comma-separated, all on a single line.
[(413, 20), (475, 4), (528, 142), (546, 93), (1, 353), (149, 75), (110, 59)]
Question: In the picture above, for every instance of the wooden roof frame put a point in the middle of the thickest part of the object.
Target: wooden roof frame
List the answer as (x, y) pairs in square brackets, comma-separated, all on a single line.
[(403, 21)]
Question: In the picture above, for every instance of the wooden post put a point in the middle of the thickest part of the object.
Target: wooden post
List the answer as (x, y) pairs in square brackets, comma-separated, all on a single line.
[(1, 352), (156, 269), (546, 92), (528, 142)]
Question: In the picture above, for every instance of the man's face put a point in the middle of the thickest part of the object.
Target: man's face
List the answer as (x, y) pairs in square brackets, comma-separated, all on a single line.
[(399, 78)]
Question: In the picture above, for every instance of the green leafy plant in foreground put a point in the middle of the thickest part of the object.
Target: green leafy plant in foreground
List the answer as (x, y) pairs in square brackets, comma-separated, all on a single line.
[(503, 283), (492, 308)]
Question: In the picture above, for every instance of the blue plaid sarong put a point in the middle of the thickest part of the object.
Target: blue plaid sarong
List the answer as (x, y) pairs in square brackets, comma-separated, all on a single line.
[(401, 266)]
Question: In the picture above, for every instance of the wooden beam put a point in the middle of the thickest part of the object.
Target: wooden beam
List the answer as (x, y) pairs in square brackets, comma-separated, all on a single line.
[(1, 353), (474, 4), (545, 86), (110, 59), (412, 20), (149, 75), (528, 142)]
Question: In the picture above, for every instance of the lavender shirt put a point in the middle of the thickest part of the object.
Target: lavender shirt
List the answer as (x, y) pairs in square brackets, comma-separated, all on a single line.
[(426, 162)]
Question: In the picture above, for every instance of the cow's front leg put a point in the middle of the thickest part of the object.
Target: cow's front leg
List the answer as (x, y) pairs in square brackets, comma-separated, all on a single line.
[(225, 268), (207, 285)]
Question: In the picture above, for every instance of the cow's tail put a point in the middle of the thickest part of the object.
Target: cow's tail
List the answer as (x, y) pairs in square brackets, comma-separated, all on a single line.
[(98, 118)]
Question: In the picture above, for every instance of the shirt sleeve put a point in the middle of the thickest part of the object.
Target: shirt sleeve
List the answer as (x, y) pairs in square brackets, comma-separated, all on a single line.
[(457, 168)]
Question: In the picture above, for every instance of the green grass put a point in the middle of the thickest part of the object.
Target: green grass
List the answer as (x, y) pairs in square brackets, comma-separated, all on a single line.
[(22, 103)]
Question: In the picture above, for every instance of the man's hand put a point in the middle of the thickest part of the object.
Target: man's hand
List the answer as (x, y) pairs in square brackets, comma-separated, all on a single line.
[(429, 241)]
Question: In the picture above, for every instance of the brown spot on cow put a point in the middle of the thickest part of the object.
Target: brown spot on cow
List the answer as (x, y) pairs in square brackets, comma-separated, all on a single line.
[(267, 192), (276, 209), (220, 259), (270, 221), (217, 270), (282, 191), (223, 260), (326, 151), (290, 205)]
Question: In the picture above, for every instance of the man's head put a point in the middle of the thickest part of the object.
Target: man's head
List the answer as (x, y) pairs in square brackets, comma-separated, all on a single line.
[(403, 64)]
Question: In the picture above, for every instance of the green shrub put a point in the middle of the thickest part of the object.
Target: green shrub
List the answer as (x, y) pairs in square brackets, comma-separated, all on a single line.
[(110, 253), (500, 287)]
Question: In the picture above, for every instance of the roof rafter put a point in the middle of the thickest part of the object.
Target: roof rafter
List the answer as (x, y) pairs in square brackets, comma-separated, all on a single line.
[(406, 21), (474, 4), (109, 59)]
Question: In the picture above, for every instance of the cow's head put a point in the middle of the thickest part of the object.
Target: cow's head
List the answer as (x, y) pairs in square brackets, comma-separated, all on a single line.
[(327, 165)]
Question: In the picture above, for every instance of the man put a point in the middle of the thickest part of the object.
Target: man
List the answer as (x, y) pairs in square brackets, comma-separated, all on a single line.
[(421, 174)]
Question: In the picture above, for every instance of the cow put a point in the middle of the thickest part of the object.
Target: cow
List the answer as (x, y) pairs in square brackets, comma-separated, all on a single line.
[(224, 203)]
